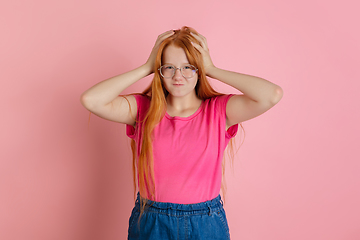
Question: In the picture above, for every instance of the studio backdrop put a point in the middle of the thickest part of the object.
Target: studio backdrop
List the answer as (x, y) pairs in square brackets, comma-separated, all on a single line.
[(296, 175)]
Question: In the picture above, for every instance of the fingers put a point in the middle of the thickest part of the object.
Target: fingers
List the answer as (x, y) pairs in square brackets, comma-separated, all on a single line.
[(198, 36), (201, 39), (159, 40), (163, 36), (167, 32), (198, 47), (204, 50)]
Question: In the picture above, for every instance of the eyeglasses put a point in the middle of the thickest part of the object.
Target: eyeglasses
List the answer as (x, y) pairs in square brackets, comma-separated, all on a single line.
[(168, 71)]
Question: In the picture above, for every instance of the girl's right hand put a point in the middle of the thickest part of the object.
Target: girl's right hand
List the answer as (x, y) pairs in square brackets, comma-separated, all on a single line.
[(151, 60)]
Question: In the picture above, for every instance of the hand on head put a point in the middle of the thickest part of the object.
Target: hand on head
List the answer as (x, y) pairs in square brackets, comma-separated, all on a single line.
[(161, 37), (197, 40), (203, 49)]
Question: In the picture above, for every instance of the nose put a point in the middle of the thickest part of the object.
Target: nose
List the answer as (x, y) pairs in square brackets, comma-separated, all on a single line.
[(178, 74)]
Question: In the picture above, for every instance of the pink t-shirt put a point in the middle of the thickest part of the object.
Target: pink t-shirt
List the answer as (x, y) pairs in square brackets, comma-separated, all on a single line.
[(188, 151)]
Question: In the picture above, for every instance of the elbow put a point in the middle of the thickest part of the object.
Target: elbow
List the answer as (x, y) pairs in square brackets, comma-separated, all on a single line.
[(85, 101), (277, 95)]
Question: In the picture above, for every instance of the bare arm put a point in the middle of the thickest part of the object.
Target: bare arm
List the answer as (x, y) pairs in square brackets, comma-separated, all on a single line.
[(103, 98), (259, 95)]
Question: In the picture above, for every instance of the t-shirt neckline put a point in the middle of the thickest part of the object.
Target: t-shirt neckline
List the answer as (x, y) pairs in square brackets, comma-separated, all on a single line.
[(186, 118)]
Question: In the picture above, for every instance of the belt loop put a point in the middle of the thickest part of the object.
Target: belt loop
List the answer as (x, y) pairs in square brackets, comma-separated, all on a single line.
[(209, 208), (222, 203)]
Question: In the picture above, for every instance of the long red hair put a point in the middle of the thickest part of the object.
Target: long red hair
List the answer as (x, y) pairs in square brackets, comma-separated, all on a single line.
[(157, 93)]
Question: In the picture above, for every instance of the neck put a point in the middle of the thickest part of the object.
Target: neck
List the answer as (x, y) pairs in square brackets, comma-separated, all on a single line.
[(183, 103)]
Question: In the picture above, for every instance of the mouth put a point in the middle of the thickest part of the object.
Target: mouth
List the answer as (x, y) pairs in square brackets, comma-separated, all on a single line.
[(177, 84)]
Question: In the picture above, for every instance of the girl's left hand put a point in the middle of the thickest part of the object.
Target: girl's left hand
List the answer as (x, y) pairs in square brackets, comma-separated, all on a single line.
[(204, 50)]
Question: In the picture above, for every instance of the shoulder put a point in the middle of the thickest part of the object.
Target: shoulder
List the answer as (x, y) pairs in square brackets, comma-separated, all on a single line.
[(219, 101), (142, 98), (142, 101), (217, 104), (142, 104)]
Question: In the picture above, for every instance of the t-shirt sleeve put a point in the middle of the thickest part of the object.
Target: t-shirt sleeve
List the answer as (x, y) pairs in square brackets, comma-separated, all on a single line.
[(232, 130), (143, 104)]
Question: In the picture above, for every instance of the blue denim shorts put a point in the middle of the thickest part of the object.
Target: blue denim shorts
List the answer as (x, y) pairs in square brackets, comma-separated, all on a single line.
[(161, 221)]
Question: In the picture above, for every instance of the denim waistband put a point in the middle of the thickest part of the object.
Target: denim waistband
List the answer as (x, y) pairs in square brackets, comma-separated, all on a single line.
[(207, 206)]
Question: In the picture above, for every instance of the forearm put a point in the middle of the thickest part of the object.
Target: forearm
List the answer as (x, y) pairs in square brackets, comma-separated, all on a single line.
[(104, 92), (258, 89)]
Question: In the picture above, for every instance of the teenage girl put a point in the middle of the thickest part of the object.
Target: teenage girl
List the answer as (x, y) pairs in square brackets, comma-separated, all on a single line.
[(180, 127)]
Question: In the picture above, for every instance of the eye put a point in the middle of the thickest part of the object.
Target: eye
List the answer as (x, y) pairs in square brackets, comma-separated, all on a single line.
[(187, 67), (169, 67)]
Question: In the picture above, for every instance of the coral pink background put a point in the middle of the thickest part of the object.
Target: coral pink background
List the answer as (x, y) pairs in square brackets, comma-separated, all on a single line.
[(295, 177)]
